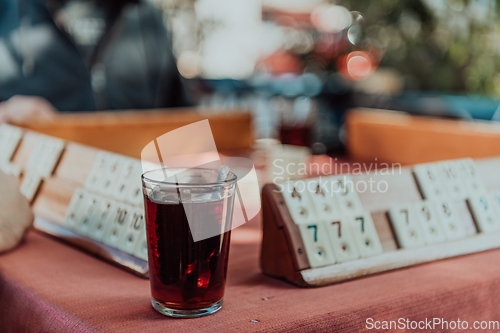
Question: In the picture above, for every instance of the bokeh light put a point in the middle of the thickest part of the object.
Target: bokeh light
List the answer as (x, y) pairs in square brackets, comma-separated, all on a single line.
[(356, 65), (331, 18)]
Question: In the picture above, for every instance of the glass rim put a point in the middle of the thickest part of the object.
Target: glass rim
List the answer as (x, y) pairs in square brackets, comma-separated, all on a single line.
[(227, 181)]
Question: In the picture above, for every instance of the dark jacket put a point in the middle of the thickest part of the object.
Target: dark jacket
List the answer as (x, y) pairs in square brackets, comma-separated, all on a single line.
[(133, 66)]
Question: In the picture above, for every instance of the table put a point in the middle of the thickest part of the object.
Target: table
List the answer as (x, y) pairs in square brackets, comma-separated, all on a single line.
[(46, 285)]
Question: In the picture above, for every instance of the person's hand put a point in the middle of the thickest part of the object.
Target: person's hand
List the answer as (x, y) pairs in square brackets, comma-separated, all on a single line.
[(15, 213), (21, 109)]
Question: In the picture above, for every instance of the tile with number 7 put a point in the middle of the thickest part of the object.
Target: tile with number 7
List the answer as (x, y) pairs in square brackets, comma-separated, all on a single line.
[(365, 234), (318, 249), (407, 226), (342, 240)]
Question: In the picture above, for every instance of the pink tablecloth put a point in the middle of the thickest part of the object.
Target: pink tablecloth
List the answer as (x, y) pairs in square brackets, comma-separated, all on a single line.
[(47, 286)]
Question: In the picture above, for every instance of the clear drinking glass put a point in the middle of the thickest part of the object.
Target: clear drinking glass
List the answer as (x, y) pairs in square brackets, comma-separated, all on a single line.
[(188, 223)]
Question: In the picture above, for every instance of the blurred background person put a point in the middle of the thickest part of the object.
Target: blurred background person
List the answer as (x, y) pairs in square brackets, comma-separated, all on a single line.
[(84, 55)]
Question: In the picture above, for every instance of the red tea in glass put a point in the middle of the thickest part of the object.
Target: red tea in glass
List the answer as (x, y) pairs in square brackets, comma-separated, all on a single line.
[(187, 269)]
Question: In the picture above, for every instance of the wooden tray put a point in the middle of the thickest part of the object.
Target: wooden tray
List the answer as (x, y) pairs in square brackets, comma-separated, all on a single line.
[(399, 137), (128, 132)]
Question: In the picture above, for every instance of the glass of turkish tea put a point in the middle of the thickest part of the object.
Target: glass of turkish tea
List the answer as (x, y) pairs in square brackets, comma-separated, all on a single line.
[(188, 222)]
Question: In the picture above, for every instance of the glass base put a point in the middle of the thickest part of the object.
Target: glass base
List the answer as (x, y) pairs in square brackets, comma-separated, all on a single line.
[(186, 313)]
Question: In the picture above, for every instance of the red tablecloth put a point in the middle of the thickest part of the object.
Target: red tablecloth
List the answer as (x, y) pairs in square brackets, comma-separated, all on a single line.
[(46, 286)]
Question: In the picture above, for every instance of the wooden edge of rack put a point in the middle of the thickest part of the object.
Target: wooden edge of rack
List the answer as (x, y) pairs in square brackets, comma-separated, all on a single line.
[(281, 237), (316, 277), (119, 258)]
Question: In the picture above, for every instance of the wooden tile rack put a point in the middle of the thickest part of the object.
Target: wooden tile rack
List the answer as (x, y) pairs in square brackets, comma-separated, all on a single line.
[(52, 197), (283, 252)]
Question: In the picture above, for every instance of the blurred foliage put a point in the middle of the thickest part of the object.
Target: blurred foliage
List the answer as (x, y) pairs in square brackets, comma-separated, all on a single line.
[(437, 45)]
